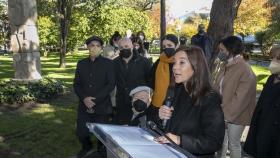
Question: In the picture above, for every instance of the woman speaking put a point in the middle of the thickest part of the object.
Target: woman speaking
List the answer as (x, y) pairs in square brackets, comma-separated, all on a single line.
[(195, 120)]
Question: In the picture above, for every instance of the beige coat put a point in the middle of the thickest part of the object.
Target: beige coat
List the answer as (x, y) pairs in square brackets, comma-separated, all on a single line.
[(238, 92)]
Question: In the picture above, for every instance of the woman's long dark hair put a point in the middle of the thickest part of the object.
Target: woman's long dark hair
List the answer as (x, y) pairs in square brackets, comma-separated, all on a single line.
[(200, 82)]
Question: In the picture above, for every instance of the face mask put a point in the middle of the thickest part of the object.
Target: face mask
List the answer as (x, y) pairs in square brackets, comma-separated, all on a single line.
[(200, 31), (139, 105), (169, 52), (125, 53), (95, 51), (274, 67), (137, 47), (141, 37), (222, 56)]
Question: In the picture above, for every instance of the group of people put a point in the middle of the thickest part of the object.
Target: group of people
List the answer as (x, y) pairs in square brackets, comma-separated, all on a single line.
[(139, 42), (205, 118)]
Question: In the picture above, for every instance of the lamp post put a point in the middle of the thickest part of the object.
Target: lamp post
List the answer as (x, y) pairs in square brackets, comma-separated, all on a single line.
[(162, 21)]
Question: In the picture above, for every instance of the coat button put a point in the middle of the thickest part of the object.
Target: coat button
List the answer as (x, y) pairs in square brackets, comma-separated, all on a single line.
[(275, 106), (90, 86), (275, 123)]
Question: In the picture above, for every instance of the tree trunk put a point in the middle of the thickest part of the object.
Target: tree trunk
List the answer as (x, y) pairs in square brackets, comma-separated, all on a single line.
[(65, 10), (222, 15)]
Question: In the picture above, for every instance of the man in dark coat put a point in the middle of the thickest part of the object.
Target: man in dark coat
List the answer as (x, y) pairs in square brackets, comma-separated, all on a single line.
[(131, 71), (93, 82), (202, 40)]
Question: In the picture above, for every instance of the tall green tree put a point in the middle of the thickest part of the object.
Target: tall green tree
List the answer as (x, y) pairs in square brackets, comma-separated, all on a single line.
[(253, 16), (5, 30), (275, 4), (154, 16), (271, 34), (142, 5), (48, 33), (111, 19), (76, 20), (64, 13)]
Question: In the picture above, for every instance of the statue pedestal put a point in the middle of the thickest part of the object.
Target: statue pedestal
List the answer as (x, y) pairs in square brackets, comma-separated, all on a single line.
[(27, 66)]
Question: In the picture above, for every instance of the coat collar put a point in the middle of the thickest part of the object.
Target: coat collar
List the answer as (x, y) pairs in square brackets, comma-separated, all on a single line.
[(234, 61), (96, 59)]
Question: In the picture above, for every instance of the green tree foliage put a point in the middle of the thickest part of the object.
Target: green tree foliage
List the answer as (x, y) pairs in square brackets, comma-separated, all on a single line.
[(269, 36), (80, 29), (141, 5), (120, 19), (5, 31), (48, 33), (101, 18), (253, 16), (154, 16), (275, 18)]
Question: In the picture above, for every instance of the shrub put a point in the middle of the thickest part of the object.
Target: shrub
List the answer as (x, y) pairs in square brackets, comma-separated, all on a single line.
[(21, 92)]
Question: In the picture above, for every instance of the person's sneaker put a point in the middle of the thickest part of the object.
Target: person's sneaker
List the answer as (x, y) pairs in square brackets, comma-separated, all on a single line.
[(84, 153)]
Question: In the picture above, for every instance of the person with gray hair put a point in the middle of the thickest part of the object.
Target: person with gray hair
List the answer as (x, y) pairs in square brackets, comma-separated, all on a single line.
[(141, 100)]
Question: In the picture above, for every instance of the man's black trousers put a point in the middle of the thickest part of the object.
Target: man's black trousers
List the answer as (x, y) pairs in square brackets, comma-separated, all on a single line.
[(83, 132)]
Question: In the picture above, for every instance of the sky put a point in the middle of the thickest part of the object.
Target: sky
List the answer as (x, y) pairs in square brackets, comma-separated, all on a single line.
[(179, 7)]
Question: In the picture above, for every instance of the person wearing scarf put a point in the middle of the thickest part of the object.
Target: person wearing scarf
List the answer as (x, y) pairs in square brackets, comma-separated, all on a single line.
[(161, 75)]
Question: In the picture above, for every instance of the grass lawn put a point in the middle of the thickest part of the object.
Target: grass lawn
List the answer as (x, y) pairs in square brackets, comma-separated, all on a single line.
[(48, 130)]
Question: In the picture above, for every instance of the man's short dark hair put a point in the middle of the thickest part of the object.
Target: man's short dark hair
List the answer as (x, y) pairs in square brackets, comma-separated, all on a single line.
[(94, 38)]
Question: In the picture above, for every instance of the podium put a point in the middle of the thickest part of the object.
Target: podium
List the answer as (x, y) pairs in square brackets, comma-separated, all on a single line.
[(131, 142)]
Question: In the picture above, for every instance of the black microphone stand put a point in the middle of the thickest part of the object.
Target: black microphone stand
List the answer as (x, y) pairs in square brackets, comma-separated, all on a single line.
[(154, 127)]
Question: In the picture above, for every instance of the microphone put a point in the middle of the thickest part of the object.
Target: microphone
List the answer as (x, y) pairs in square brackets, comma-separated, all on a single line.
[(154, 127), (168, 102)]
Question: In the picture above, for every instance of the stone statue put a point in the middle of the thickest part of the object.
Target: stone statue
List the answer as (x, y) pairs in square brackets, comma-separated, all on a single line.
[(24, 39)]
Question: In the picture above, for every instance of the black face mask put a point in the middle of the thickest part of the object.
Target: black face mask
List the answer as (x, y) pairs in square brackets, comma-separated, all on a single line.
[(222, 56), (125, 53), (139, 105), (169, 52), (201, 32)]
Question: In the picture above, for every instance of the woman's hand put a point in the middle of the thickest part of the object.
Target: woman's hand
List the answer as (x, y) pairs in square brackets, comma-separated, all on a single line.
[(165, 112), (173, 137)]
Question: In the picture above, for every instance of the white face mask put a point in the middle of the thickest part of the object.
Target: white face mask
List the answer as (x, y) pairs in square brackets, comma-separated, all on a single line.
[(141, 37), (274, 67), (95, 51)]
